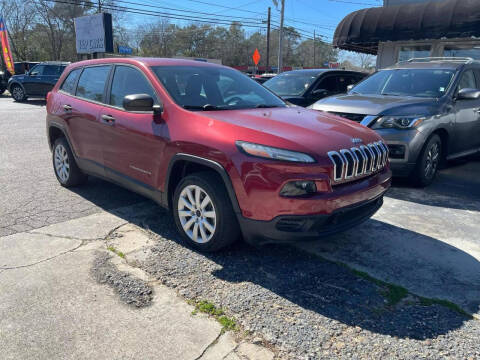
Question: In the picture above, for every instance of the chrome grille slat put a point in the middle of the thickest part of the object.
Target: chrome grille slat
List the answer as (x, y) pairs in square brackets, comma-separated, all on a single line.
[(349, 164)]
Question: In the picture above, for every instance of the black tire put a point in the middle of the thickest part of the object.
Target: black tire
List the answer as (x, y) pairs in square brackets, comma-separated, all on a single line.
[(226, 231), (75, 176), (428, 162), (17, 92)]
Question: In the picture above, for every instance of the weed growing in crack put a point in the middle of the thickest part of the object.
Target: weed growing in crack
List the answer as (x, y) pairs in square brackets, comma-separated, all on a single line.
[(115, 251), (207, 307)]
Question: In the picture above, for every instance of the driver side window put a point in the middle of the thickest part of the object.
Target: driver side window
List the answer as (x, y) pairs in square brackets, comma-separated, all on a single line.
[(467, 81), (328, 83), (38, 70)]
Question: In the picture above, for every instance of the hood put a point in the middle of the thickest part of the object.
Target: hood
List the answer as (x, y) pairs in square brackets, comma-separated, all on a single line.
[(292, 128), (378, 105)]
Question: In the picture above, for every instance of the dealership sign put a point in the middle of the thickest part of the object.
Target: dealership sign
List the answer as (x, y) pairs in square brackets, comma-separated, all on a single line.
[(94, 33)]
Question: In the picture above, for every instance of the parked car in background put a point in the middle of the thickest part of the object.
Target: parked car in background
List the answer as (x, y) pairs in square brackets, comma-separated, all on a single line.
[(426, 110), (3, 80), (304, 87), (227, 156), (37, 82), (263, 77)]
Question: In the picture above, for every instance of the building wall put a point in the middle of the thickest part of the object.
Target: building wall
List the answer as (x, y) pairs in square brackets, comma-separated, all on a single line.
[(401, 2)]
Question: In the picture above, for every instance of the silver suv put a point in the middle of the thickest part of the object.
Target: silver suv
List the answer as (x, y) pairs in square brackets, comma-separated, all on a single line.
[(427, 110)]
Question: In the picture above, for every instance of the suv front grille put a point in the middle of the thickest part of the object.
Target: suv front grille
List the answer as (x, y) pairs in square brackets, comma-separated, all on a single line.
[(354, 117), (350, 164)]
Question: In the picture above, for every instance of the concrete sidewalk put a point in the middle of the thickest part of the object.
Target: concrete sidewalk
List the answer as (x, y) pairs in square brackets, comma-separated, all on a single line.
[(51, 306)]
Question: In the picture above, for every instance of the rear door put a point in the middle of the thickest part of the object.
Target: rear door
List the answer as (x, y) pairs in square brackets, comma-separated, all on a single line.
[(134, 141), (467, 113), (49, 78), (83, 113)]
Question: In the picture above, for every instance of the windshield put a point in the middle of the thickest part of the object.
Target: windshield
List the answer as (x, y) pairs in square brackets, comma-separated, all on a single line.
[(406, 82), (290, 83), (214, 88)]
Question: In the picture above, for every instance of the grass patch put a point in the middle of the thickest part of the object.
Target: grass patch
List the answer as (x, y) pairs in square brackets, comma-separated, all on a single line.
[(393, 293), (207, 307), (118, 252), (446, 303)]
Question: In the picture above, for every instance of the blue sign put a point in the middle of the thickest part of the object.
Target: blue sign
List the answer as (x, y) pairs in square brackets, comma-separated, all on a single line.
[(124, 50)]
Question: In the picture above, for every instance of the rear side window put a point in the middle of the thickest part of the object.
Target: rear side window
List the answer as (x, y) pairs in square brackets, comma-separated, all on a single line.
[(69, 84), (129, 81), (53, 70), (92, 81)]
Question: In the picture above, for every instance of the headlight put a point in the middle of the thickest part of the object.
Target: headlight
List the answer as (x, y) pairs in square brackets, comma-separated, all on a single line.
[(398, 122), (268, 152)]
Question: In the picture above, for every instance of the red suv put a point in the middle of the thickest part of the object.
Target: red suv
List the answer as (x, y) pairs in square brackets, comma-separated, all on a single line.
[(226, 155)]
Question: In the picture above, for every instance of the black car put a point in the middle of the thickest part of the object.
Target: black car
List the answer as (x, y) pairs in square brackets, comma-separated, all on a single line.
[(304, 87), (427, 110), (37, 82)]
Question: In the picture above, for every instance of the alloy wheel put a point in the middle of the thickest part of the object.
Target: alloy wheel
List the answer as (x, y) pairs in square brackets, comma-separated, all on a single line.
[(17, 93), (62, 165), (197, 214), (432, 160)]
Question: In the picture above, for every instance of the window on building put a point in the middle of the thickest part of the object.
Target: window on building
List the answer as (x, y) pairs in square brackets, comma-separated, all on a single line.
[(409, 52), (462, 51)]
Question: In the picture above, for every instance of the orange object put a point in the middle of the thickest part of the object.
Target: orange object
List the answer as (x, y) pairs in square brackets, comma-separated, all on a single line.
[(7, 54), (256, 56)]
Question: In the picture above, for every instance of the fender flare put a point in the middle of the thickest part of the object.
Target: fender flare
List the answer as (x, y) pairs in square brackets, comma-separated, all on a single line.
[(62, 129), (9, 87), (217, 167)]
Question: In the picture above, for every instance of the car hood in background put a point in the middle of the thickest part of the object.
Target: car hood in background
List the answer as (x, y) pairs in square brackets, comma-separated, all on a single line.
[(378, 105)]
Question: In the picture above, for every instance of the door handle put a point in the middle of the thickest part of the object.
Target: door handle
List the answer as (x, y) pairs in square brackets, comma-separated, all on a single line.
[(108, 119), (67, 108)]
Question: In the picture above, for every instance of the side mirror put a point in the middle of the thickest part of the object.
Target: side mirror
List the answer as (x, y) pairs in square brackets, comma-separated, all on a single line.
[(468, 94), (141, 102), (350, 87)]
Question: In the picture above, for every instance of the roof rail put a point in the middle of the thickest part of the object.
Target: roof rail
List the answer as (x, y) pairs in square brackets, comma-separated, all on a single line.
[(463, 60)]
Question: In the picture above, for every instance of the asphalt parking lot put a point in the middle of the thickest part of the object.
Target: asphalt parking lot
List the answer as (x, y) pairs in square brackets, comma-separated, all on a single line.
[(306, 300)]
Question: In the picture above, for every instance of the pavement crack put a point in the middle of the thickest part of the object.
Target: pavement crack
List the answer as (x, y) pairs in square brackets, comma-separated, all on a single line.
[(209, 345), (43, 260)]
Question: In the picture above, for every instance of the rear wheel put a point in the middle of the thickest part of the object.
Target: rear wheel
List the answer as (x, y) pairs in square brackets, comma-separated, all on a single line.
[(18, 93), (66, 169), (203, 212), (428, 162)]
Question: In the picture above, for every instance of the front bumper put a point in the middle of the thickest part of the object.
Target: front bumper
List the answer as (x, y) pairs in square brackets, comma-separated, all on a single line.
[(411, 140), (291, 228)]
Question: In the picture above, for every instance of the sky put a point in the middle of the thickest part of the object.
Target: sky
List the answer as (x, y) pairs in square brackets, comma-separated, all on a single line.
[(321, 16)]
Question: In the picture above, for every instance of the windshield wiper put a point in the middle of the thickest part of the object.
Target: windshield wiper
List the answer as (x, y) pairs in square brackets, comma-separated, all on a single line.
[(206, 107), (265, 106)]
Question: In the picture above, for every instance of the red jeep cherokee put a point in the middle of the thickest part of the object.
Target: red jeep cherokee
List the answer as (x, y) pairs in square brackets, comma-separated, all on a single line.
[(227, 156)]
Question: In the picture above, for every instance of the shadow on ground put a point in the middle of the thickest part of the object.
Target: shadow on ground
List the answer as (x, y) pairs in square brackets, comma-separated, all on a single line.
[(457, 186)]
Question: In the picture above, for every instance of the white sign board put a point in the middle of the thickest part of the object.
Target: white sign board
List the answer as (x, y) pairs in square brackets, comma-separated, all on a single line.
[(90, 34)]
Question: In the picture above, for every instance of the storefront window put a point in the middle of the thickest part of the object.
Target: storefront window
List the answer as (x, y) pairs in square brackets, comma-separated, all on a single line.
[(409, 52), (462, 51)]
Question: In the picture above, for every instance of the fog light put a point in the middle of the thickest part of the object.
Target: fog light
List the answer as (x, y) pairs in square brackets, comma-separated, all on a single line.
[(298, 188), (396, 151)]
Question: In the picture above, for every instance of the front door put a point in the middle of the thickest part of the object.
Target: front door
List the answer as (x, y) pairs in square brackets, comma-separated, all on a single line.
[(467, 113), (50, 76), (33, 80), (134, 141)]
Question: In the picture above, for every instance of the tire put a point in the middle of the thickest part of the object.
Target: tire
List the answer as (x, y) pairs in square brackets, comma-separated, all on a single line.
[(17, 92), (64, 165), (428, 162), (215, 223)]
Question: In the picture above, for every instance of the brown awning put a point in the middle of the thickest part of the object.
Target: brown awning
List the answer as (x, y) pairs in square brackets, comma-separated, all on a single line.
[(362, 30)]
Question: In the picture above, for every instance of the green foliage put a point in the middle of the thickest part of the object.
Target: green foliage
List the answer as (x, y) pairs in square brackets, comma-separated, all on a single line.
[(207, 307), (118, 252)]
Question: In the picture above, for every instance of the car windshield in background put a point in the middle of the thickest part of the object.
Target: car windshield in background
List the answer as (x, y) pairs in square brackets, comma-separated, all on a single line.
[(291, 83), (214, 88), (406, 82)]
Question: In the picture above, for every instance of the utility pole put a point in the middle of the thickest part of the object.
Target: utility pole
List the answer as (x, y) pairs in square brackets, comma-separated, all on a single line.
[(280, 41), (314, 62), (99, 6), (268, 40)]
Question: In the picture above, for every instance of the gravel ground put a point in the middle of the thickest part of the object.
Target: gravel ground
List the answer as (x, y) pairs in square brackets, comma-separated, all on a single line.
[(130, 289), (307, 307)]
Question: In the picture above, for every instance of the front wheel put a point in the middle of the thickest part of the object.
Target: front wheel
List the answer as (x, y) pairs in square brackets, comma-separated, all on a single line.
[(18, 93), (428, 162), (203, 212)]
